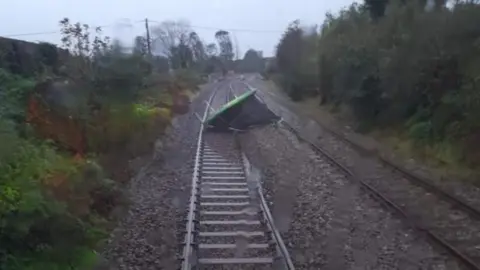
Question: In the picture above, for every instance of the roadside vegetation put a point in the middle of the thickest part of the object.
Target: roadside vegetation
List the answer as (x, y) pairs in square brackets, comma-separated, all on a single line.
[(407, 68), (71, 120)]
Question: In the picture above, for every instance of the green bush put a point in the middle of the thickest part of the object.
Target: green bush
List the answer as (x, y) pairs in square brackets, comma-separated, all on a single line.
[(190, 78), (37, 220), (397, 65), (421, 132), (53, 207), (14, 91)]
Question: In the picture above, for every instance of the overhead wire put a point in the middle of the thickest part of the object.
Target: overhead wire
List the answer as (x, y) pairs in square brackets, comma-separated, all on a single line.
[(59, 31), (229, 29), (233, 30)]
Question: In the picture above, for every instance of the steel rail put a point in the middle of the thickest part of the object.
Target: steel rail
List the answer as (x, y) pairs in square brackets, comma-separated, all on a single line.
[(466, 260), (190, 227), (409, 175), (224, 178), (280, 245)]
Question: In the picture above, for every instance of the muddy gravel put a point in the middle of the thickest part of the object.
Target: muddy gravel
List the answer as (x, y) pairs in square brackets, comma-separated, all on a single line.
[(148, 237), (328, 221)]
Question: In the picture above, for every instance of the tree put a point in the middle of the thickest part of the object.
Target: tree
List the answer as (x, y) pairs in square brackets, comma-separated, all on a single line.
[(212, 61), (77, 40), (181, 56), (140, 46), (225, 44), (48, 56), (289, 49), (295, 62), (161, 64), (376, 8), (173, 39), (197, 47), (252, 62)]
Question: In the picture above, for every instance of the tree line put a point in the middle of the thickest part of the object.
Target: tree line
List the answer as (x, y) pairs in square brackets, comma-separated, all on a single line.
[(411, 66), (178, 46)]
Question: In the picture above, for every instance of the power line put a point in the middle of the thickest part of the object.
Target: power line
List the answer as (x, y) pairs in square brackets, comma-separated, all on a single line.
[(143, 21), (58, 31), (238, 29), (232, 29), (31, 34)]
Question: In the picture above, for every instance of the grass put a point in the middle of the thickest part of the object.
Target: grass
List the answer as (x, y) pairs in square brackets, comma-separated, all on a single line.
[(443, 158)]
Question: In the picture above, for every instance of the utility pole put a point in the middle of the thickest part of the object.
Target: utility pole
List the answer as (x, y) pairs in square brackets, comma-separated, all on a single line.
[(149, 46)]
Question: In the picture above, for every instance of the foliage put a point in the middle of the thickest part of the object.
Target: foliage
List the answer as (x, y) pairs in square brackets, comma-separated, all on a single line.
[(189, 78), (197, 46), (225, 44), (28, 59), (413, 67), (183, 47), (251, 62), (57, 202), (43, 208), (14, 91), (296, 61), (211, 49), (140, 46), (376, 8)]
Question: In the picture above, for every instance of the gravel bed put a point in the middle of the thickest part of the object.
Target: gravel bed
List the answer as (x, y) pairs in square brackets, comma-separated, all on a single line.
[(443, 218), (326, 220), (244, 253), (240, 267), (147, 238), (224, 145), (232, 239)]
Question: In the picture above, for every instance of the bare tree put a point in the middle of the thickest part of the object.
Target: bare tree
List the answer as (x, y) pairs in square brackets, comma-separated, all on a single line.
[(84, 45), (140, 45), (169, 35)]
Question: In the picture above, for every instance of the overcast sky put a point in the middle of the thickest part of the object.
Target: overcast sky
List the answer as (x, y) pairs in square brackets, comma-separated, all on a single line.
[(258, 24)]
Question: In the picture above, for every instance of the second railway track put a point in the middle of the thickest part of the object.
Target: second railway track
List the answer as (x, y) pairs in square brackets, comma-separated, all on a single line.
[(445, 224), (445, 218)]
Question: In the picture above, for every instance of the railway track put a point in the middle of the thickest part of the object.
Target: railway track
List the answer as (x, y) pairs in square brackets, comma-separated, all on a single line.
[(229, 225), (450, 221), (455, 231)]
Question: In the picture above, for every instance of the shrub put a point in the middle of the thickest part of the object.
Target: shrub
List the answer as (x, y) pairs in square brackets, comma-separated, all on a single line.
[(57, 194), (189, 78), (39, 207), (421, 132), (392, 63), (14, 91)]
